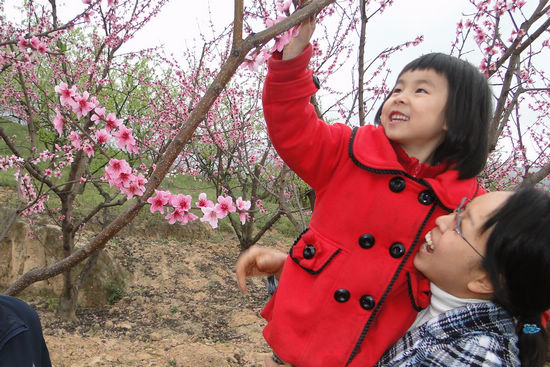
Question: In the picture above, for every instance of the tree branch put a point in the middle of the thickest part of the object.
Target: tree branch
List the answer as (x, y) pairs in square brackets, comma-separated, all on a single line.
[(176, 146)]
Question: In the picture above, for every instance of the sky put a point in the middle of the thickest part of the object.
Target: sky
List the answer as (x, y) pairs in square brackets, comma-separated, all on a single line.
[(401, 22), (180, 21)]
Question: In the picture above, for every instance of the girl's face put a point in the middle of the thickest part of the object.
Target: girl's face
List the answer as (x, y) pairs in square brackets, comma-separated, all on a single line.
[(414, 114), (446, 257)]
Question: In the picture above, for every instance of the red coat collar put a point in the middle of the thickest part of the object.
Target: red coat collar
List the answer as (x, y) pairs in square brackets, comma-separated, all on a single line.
[(371, 149)]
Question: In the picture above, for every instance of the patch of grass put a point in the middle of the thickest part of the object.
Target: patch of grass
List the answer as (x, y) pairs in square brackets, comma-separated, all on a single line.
[(7, 178), (52, 303), (286, 228), (174, 309), (115, 290)]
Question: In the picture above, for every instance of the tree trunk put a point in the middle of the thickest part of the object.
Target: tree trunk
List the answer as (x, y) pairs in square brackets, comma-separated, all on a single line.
[(68, 300)]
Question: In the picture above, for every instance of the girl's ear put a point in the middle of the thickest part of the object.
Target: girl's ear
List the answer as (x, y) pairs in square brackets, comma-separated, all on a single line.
[(481, 284)]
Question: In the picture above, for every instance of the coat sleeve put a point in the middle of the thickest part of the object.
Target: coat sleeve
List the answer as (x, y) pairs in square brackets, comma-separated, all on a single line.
[(308, 145)]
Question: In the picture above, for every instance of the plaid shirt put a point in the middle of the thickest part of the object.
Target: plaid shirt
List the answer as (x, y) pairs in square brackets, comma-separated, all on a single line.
[(478, 334)]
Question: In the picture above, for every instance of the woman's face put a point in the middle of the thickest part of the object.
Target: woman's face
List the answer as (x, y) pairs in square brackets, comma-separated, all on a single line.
[(446, 258)]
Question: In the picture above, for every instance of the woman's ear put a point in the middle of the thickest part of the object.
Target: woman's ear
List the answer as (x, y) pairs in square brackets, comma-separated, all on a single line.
[(481, 284)]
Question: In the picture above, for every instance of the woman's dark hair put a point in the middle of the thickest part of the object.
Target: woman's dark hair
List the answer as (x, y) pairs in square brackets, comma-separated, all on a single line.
[(468, 112), (517, 259)]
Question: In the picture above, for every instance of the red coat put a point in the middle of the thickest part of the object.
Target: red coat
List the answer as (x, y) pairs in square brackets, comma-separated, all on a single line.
[(349, 289)]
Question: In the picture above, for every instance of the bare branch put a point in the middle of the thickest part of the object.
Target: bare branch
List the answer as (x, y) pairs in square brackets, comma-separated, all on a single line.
[(238, 24)]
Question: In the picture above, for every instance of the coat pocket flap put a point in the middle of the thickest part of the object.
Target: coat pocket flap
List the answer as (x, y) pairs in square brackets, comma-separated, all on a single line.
[(312, 252)]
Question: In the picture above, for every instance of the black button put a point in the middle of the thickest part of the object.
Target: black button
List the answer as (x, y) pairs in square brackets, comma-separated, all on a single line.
[(397, 250), (309, 252), (341, 295), (366, 240), (316, 82), (367, 302), (426, 197), (397, 184)]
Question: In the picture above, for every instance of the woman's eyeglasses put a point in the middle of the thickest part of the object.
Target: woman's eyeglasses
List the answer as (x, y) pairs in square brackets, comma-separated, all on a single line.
[(458, 224)]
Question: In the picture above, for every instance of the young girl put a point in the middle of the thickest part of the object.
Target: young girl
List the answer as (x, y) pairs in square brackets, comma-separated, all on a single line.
[(488, 265), (349, 289)]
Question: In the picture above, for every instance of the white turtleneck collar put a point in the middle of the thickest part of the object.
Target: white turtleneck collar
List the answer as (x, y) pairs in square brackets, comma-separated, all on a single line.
[(441, 302)]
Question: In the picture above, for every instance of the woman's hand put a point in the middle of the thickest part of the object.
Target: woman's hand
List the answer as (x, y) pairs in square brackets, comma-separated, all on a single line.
[(258, 261)]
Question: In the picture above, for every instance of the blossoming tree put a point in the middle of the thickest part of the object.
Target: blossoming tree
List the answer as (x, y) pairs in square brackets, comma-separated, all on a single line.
[(97, 119), (512, 42)]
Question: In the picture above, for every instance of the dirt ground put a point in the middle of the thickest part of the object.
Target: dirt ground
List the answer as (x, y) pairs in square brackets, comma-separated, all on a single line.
[(182, 308)]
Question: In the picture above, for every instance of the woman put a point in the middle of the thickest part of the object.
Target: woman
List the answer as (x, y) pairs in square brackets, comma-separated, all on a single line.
[(489, 267)]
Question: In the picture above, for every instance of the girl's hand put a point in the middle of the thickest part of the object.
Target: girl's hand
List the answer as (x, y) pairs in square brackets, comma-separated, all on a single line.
[(298, 43), (258, 261)]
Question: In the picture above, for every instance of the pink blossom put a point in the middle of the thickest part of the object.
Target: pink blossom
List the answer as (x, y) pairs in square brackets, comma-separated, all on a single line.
[(284, 38), (48, 172), (102, 136), (125, 178), (81, 105), (112, 122), (41, 48), (66, 95), (252, 62), (87, 2), (211, 215), (75, 139), (283, 5), (58, 123), (133, 190), (89, 150), (99, 114), (158, 201), (114, 169), (132, 148), (140, 180), (225, 205), (124, 138), (242, 208), (175, 216), (188, 217), (204, 202), (181, 202), (34, 42), (22, 44)]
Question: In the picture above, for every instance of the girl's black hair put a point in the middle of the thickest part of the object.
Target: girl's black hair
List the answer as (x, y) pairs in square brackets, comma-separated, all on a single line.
[(517, 259), (468, 112)]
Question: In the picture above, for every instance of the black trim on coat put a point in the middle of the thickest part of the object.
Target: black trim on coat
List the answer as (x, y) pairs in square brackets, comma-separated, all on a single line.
[(313, 272), (391, 171), (389, 288)]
